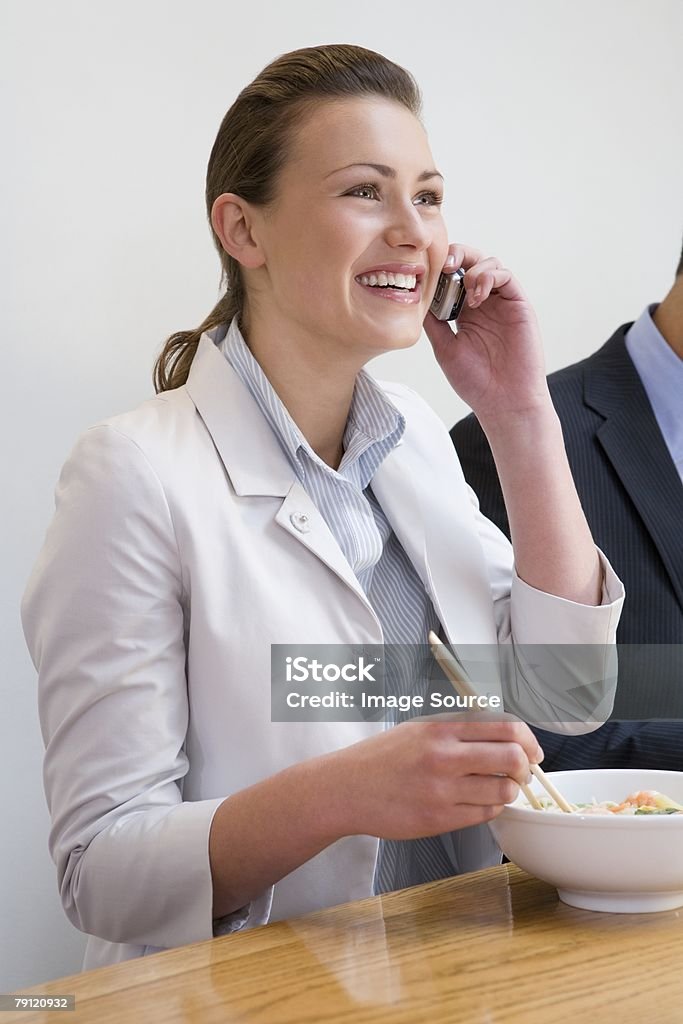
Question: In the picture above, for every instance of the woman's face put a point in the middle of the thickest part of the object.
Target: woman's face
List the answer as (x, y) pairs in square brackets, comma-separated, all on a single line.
[(337, 219)]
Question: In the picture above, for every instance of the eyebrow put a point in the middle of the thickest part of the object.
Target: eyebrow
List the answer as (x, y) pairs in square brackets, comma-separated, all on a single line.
[(388, 172)]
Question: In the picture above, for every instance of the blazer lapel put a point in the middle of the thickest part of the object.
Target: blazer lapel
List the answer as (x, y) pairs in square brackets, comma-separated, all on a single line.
[(429, 513), (254, 460), (302, 520), (639, 456), (434, 528)]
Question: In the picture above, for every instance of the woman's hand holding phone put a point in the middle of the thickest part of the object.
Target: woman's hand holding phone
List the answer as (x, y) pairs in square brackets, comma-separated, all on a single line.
[(496, 364)]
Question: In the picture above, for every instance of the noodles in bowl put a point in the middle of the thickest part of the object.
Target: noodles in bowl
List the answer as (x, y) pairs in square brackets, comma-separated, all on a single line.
[(623, 856), (646, 801)]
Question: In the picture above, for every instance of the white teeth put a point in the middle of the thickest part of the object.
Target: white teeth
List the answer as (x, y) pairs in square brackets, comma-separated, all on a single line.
[(383, 278)]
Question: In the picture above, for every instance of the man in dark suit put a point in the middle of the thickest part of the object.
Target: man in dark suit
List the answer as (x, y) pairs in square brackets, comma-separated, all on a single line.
[(621, 411)]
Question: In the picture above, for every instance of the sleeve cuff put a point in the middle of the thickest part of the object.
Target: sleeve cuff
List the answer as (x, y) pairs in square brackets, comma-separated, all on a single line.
[(251, 916), (540, 618)]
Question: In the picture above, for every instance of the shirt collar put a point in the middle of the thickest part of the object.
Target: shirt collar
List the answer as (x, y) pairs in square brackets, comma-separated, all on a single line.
[(373, 428), (661, 372)]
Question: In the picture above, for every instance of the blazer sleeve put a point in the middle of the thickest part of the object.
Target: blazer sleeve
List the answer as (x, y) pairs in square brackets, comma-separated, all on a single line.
[(560, 666), (557, 658), (104, 618)]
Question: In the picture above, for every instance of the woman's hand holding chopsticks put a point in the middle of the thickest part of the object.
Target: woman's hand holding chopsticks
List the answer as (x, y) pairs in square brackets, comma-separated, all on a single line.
[(425, 777), (416, 779)]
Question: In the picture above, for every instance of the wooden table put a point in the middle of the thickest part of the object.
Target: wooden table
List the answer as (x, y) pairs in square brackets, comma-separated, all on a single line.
[(490, 947)]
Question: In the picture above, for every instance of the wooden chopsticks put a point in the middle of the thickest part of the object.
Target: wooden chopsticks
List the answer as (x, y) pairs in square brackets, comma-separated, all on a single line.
[(550, 789), (463, 686)]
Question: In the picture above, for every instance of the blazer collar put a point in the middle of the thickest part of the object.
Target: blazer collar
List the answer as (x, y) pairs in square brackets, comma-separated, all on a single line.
[(237, 425), (435, 530), (632, 441), (254, 459)]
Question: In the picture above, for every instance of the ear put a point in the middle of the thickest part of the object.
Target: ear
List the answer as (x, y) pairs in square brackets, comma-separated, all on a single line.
[(232, 219)]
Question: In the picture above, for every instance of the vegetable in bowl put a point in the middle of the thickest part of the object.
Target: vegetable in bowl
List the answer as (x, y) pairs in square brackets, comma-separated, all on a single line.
[(645, 801)]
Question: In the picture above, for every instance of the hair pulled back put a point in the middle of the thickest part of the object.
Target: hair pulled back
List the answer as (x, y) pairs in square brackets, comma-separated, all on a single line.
[(252, 147)]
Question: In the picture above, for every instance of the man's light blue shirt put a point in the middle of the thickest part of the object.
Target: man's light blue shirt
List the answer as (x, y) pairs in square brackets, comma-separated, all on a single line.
[(661, 373)]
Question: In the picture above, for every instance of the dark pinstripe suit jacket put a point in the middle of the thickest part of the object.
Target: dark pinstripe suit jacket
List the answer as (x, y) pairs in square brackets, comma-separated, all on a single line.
[(633, 499)]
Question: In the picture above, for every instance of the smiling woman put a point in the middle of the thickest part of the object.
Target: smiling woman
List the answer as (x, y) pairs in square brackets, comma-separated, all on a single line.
[(303, 255), (300, 100), (307, 248), (274, 493)]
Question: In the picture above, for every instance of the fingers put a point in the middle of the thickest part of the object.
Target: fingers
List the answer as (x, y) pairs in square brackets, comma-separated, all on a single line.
[(471, 814), (435, 776), (483, 275), (460, 255), (455, 814), (482, 279), (494, 759), (490, 728), (487, 791)]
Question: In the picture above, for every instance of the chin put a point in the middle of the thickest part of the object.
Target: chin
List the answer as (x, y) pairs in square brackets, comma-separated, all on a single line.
[(394, 335), (395, 341)]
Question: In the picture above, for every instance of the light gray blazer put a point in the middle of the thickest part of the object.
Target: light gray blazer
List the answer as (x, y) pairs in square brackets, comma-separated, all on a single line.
[(171, 565)]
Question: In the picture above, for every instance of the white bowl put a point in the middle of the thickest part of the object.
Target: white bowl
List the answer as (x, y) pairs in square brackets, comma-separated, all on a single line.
[(624, 864)]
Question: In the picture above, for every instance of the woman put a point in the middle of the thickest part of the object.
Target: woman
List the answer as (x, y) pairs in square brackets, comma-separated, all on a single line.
[(272, 493)]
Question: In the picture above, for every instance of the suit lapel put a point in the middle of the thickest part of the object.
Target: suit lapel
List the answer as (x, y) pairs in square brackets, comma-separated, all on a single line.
[(639, 456), (427, 507)]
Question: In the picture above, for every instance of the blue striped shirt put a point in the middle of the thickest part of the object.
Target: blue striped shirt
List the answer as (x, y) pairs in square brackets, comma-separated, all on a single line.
[(346, 502)]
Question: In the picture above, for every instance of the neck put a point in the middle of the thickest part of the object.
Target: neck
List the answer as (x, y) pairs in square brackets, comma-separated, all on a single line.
[(313, 379), (668, 317)]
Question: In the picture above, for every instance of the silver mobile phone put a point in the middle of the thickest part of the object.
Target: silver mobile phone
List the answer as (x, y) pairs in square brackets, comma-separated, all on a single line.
[(449, 296)]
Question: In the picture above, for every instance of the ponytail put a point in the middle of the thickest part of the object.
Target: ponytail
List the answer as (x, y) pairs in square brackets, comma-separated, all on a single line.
[(173, 365)]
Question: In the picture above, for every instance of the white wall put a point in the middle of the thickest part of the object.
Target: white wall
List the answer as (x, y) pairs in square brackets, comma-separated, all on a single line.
[(554, 123)]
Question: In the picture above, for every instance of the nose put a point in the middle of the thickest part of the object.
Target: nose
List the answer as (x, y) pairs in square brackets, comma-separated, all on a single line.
[(406, 226)]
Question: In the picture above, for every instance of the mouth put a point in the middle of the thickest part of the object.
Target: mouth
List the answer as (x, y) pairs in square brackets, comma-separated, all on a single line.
[(403, 286)]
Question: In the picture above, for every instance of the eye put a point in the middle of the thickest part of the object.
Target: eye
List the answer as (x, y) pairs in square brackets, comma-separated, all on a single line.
[(434, 198), (372, 191), (363, 188)]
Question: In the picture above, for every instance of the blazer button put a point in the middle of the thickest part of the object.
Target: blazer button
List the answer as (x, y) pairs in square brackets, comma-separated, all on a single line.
[(300, 521)]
